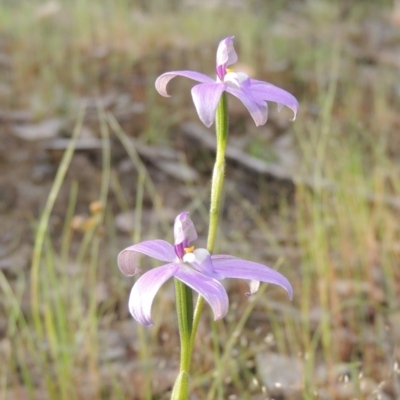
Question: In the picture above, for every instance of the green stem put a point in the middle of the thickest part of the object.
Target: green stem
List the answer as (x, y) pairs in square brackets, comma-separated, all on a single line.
[(221, 126), (187, 321), (217, 182), (184, 306)]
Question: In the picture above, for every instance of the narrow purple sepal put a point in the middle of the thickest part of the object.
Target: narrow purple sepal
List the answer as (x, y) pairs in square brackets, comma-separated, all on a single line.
[(213, 292), (206, 97), (242, 269), (144, 291), (162, 80), (158, 249), (268, 92), (257, 109)]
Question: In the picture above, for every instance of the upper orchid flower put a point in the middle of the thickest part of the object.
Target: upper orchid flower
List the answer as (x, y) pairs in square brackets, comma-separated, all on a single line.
[(196, 268), (252, 93)]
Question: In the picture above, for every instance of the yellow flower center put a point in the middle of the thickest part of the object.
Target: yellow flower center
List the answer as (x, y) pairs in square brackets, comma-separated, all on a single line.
[(189, 249), (230, 70)]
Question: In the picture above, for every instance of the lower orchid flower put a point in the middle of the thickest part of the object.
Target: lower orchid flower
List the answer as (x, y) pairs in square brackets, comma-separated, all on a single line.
[(195, 267), (252, 93)]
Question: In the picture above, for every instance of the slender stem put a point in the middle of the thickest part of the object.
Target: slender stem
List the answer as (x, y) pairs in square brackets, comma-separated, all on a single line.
[(217, 182), (221, 126), (184, 306), (187, 321)]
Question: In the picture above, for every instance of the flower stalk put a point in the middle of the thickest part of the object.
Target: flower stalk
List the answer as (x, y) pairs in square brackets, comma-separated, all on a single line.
[(189, 322), (218, 175), (184, 307), (217, 184)]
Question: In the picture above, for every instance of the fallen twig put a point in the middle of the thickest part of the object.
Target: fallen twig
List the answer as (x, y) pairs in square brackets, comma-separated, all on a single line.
[(206, 138)]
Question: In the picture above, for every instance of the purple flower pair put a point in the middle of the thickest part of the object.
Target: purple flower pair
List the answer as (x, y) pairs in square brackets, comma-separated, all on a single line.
[(195, 267), (252, 93)]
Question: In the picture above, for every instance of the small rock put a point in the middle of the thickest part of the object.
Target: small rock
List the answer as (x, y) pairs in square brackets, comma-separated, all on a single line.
[(5, 89), (8, 196), (47, 10), (177, 170), (112, 347), (394, 324), (133, 376), (344, 340), (102, 292), (44, 130), (286, 152), (17, 261), (282, 375), (22, 393), (91, 103), (367, 385), (125, 222), (348, 287), (16, 115), (315, 316), (41, 172), (3, 326), (5, 61), (379, 395), (138, 108)]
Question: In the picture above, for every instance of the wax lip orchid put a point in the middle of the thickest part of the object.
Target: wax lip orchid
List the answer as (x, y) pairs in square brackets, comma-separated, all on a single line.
[(252, 93), (195, 267)]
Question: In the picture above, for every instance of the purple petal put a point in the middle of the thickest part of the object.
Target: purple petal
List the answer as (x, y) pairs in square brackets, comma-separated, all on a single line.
[(268, 92), (209, 288), (158, 249), (242, 269), (162, 80), (144, 291), (257, 109), (184, 230), (205, 98)]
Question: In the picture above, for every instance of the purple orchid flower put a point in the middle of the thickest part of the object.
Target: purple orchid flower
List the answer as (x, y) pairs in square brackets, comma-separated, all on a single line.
[(252, 93), (195, 267)]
